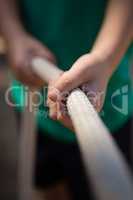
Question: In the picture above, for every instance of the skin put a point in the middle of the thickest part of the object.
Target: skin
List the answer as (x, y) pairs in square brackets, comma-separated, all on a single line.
[(20, 54), (97, 67), (21, 45), (96, 79), (94, 68)]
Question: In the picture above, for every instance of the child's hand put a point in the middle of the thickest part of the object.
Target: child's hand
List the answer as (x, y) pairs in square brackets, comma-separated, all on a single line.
[(20, 52), (89, 71)]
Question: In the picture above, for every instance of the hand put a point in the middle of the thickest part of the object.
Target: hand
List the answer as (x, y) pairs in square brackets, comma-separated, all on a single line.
[(89, 71), (21, 50)]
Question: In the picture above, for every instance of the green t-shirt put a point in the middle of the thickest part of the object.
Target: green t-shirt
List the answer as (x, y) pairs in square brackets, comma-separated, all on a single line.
[(69, 28)]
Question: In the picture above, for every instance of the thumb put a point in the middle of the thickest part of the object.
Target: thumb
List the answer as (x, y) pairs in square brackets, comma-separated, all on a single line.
[(68, 81)]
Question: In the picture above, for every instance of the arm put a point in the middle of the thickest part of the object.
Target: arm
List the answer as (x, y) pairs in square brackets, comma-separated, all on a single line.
[(97, 67), (10, 23), (21, 46), (116, 32)]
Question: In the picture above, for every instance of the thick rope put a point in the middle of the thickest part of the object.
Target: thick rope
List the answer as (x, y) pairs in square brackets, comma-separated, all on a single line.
[(103, 162)]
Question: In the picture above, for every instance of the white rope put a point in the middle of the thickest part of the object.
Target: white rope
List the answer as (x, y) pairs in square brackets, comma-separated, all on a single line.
[(103, 162)]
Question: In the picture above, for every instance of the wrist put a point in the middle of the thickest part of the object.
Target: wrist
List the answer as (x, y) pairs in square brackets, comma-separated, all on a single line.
[(106, 60), (15, 38), (13, 35)]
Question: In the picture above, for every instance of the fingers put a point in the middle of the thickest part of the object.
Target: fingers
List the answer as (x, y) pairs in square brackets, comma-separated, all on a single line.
[(52, 109), (22, 70), (44, 52), (56, 113), (63, 85), (95, 93), (82, 71), (20, 56)]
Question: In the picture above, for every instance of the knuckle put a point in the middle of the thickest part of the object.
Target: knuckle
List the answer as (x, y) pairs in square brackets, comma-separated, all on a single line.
[(53, 95)]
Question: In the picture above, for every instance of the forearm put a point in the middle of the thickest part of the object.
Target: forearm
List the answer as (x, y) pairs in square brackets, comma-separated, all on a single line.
[(10, 25), (117, 31)]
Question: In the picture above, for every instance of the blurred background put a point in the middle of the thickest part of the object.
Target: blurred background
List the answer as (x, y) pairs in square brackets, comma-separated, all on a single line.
[(8, 145)]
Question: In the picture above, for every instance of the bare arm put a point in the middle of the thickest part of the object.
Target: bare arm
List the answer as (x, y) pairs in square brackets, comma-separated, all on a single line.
[(10, 23), (116, 32), (97, 67), (21, 46)]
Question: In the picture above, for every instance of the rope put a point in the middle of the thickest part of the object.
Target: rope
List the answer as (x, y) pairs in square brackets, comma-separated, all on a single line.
[(111, 179)]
